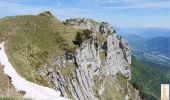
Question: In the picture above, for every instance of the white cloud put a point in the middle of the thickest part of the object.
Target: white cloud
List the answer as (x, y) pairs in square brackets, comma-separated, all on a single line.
[(126, 4), (151, 25), (149, 5), (13, 8), (102, 10), (17, 8), (141, 5)]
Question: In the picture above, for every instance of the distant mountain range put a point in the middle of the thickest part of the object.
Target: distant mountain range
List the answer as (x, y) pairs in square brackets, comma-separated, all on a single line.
[(150, 43), (145, 33), (151, 59), (159, 44)]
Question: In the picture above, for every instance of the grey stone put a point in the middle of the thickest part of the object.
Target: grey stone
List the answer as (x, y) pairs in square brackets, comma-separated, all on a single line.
[(88, 63)]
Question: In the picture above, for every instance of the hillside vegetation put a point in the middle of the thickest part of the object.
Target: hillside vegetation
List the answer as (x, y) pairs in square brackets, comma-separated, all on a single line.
[(56, 54), (32, 41), (147, 77)]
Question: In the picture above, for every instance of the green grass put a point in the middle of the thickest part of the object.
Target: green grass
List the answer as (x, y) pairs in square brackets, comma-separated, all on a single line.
[(148, 78), (102, 57), (32, 41), (6, 98), (67, 71), (114, 89), (101, 38), (74, 21)]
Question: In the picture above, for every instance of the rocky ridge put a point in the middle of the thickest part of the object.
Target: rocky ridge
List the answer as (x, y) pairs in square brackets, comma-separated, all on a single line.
[(96, 69)]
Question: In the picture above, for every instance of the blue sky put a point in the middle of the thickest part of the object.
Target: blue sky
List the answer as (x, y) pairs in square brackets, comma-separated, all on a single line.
[(120, 13)]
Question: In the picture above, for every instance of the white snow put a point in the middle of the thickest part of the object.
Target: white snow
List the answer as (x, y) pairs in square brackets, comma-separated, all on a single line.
[(33, 91)]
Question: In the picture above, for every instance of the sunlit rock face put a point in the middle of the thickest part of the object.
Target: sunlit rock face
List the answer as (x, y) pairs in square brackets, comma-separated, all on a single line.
[(95, 67)]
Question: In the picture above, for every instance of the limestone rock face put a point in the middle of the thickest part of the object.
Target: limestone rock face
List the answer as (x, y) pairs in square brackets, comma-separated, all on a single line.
[(84, 24), (94, 70), (116, 57), (105, 28)]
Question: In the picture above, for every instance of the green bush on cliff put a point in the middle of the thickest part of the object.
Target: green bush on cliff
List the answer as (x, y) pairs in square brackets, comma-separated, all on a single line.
[(87, 33), (79, 38)]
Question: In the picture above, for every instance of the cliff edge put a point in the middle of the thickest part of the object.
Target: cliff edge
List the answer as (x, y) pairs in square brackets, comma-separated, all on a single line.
[(81, 58)]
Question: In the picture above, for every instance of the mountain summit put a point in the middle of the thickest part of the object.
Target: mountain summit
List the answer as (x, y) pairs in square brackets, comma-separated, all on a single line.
[(81, 58), (46, 13)]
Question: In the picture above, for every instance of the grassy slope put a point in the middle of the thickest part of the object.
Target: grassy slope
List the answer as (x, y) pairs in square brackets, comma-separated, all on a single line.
[(32, 41), (148, 77)]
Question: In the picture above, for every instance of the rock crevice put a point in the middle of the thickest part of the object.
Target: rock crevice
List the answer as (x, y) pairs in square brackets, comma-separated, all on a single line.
[(83, 74)]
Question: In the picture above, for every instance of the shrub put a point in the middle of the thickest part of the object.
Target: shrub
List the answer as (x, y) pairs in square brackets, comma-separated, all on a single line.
[(87, 33), (81, 21), (79, 38), (82, 36)]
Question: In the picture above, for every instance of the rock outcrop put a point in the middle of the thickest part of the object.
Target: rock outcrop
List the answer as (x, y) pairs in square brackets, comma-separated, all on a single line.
[(96, 69)]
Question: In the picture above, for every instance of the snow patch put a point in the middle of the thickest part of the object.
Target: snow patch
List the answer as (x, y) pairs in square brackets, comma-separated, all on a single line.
[(33, 91)]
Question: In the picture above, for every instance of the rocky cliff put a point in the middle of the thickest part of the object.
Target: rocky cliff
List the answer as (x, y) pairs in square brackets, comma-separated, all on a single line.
[(97, 69), (81, 58)]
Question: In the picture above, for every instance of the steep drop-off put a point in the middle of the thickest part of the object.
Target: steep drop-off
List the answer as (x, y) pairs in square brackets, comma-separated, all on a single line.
[(81, 58)]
